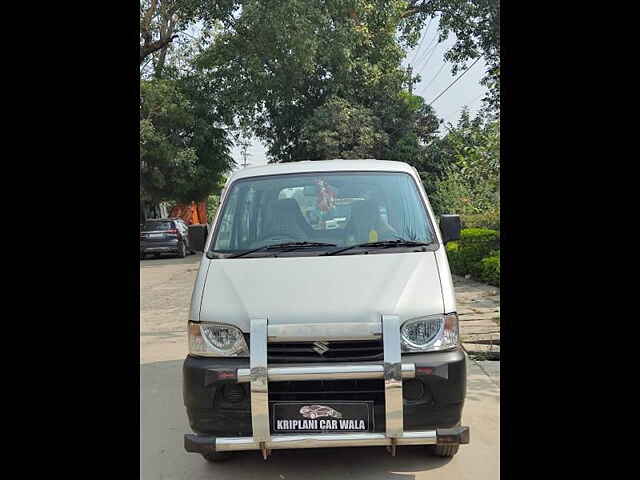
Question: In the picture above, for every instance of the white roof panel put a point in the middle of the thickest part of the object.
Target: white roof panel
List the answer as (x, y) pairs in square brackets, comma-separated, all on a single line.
[(322, 166)]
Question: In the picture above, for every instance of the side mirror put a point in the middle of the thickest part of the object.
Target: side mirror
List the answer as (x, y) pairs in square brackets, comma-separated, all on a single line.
[(197, 237), (450, 227)]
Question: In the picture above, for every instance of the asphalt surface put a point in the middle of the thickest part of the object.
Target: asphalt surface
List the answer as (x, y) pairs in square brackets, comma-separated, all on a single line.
[(165, 291)]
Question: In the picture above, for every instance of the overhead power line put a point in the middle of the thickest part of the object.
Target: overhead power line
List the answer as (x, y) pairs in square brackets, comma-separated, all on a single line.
[(422, 39), (424, 90), (454, 81), (433, 50), (428, 53)]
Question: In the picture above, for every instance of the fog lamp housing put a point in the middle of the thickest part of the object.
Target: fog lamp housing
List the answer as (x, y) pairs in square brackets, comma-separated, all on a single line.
[(412, 389), (233, 392)]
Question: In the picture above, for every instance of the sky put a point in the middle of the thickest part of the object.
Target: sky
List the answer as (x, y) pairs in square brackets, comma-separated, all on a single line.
[(427, 60)]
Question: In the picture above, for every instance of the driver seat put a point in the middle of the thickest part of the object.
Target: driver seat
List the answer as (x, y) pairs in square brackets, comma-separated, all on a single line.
[(285, 219), (365, 217)]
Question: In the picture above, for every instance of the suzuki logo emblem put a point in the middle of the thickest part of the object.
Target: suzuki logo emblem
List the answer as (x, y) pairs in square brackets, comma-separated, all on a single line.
[(320, 347)]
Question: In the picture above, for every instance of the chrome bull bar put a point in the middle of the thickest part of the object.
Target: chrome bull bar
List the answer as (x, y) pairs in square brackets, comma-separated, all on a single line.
[(260, 374), (324, 372)]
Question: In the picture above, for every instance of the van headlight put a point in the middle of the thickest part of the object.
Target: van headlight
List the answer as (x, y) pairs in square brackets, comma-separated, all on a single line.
[(216, 340), (432, 333)]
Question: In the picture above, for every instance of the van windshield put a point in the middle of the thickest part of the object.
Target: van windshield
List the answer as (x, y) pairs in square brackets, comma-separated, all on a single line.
[(339, 209)]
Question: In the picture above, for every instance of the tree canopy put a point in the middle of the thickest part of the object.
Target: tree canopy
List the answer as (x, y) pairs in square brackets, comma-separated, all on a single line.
[(469, 178), (184, 143), (312, 80), (339, 129), (162, 21), (282, 66), (182, 153)]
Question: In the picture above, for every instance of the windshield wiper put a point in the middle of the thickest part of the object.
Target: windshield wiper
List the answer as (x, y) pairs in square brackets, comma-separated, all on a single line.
[(289, 246), (383, 244)]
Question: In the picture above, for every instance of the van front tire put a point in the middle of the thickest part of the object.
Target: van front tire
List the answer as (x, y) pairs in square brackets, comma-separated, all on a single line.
[(444, 450)]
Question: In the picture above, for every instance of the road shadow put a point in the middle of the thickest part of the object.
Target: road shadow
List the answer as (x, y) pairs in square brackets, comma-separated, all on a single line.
[(478, 390), (481, 387), (164, 422)]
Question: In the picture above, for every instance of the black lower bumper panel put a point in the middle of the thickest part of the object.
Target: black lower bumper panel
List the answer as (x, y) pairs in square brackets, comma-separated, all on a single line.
[(442, 436), (199, 443)]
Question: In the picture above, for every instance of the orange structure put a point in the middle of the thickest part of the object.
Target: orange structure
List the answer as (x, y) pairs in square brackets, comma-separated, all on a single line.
[(193, 214)]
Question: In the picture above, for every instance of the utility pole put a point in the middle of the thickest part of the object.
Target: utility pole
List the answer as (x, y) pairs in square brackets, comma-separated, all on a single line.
[(410, 71), (244, 144)]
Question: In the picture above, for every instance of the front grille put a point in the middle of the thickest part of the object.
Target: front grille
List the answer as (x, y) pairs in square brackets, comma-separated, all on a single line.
[(334, 390), (330, 351)]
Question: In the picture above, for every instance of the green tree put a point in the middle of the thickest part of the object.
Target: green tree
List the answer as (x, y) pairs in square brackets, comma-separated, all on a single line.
[(182, 153), (469, 182), (162, 22), (164, 151), (432, 162), (184, 147), (284, 59), (339, 129), (411, 125)]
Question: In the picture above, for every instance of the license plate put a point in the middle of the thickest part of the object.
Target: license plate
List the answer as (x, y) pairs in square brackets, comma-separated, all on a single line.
[(156, 235), (317, 417)]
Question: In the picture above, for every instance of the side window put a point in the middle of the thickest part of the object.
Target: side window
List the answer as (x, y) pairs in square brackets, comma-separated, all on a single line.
[(248, 210), (223, 241)]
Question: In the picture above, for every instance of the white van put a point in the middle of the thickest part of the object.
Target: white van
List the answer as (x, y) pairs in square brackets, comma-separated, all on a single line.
[(307, 334)]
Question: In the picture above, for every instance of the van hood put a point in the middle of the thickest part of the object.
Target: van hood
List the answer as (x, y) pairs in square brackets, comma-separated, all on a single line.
[(334, 289)]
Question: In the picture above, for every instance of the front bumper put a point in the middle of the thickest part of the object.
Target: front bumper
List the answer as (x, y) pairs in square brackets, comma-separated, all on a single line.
[(210, 413), (441, 436), (224, 424)]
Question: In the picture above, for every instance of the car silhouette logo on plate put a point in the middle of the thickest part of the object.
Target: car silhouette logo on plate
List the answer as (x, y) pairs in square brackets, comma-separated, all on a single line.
[(318, 411), (320, 347)]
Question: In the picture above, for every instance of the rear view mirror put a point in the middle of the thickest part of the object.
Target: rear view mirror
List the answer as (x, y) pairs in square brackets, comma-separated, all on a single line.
[(450, 227), (310, 191)]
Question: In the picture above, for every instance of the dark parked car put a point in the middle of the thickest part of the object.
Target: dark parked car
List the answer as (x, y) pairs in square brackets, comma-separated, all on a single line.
[(164, 235)]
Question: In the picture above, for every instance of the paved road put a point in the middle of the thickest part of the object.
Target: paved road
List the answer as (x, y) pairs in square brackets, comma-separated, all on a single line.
[(165, 290)]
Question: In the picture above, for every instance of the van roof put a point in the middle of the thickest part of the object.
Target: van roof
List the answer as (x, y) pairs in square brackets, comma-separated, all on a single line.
[(322, 166)]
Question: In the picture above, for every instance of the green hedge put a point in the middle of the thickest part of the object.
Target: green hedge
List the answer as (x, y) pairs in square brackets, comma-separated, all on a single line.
[(489, 219), (466, 255), (455, 261), (490, 269)]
